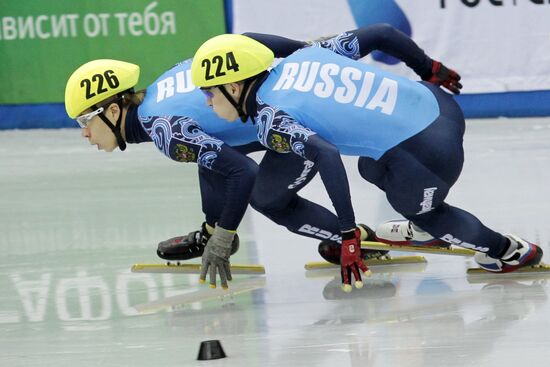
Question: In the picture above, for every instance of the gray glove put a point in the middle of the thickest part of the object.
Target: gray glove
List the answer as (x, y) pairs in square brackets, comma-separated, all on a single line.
[(216, 257)]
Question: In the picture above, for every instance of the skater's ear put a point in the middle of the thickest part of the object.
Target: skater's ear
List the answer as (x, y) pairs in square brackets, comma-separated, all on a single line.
[(235, 89), (113, 111)]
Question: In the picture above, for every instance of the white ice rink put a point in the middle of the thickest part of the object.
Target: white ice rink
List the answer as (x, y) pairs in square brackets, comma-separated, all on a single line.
[(73, 221)]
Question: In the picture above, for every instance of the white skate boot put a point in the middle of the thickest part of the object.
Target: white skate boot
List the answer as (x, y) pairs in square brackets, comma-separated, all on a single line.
[(523, 254), (403, 232)]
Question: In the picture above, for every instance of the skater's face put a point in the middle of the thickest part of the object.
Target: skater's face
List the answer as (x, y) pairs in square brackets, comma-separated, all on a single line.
[(98, 133), (220, 104)]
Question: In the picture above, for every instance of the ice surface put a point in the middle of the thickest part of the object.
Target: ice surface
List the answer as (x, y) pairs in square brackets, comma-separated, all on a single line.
[(73, 221)]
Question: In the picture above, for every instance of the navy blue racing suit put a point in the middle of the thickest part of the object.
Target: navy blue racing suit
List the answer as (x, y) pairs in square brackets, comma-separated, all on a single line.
[(176, 118), (318, 104)]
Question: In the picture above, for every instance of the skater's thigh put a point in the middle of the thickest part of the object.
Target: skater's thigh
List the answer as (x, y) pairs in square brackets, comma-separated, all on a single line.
[(280, 177), (411, 187), (373, 171), (212, 186)]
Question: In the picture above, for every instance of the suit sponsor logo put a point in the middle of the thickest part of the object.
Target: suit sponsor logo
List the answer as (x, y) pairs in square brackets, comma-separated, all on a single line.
[(455, 241), (321, 233), (308, 165), (426, 203)]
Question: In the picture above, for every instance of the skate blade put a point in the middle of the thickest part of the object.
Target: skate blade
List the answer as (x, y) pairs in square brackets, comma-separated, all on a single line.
[(419, 249), (540, 268), (236, 269), (318, 265), (236, 287)]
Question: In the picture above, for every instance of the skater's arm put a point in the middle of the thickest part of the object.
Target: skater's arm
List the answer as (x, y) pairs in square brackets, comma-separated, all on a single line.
[(360, 42), (240, 173), (283, 134), (281, 46)]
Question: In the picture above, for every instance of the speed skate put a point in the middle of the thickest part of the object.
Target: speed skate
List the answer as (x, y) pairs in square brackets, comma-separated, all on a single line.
[(186, 268), (389, 260), (454, 251), (431, 250), (434, 250), (540, 268)]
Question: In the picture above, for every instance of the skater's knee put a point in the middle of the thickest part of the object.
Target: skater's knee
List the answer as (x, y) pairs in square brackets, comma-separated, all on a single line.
[(371, 171), (266, 203), (258, 203), (429, 221)]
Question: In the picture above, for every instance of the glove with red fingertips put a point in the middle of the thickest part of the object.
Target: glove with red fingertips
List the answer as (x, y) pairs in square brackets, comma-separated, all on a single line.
[(441, 75), (351, 261)]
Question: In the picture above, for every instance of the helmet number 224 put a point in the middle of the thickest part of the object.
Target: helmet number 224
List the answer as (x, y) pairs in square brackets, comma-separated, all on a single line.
[(231, 64)]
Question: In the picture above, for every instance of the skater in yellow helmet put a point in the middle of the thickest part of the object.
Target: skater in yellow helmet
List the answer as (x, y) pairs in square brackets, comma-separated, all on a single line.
[(407, 134), (102, 88)]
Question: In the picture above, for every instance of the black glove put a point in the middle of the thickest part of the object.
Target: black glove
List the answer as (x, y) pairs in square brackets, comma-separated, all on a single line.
[(441, 75)]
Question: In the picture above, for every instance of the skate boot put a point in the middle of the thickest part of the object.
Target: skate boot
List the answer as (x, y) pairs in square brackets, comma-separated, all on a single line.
[(189, 246), (403, 232), (520, 253), (330, 250)]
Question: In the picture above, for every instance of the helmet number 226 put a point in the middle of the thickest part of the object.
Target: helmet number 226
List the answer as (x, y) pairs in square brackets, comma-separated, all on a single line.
[(99, 80)]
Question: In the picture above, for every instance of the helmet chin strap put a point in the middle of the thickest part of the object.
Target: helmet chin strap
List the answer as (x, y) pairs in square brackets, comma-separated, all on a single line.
[(115, 128), (238, 105)]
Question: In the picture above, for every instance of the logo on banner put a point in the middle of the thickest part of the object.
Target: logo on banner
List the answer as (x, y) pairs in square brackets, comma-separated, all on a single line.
[(370, 12)]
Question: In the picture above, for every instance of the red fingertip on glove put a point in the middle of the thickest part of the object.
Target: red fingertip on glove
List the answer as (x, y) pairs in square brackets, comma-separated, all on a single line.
[(445, 77), (350, 257)]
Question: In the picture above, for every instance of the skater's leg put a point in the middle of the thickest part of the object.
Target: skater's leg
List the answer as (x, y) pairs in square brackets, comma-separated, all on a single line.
[(275, 195), (192, 245), (418, 193), (420, 198), (417, 175), (212, 187)]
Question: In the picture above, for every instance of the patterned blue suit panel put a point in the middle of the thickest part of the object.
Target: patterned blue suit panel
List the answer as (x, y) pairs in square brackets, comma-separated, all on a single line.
[(345, 44), (173, 94), (362, 110), (182, 139), (278, 131)]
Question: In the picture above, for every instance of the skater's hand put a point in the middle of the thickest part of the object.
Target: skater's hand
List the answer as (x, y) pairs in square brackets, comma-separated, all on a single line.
[(350, 260), (215, 258), (441, 75)]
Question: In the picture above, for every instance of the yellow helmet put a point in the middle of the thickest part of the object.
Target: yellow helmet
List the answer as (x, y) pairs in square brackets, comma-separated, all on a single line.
[(229, 58), (96, 81)]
